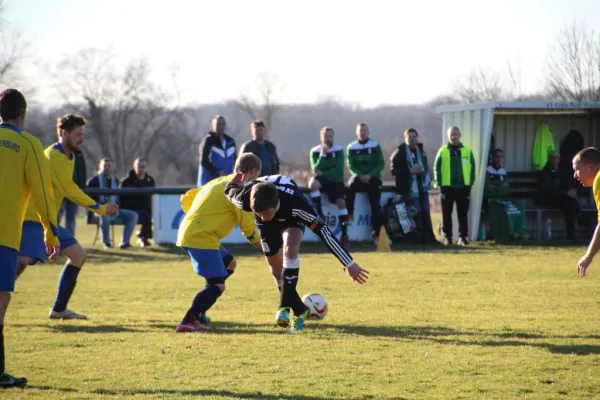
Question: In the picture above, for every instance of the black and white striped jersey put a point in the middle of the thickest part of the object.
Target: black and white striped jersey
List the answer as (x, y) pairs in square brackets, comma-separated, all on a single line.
[(293, 208)]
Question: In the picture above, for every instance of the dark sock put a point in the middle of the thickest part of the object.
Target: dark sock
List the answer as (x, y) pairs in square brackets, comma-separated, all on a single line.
[(66, 285), (344, 224), (203, 301), (229, 273), (289, 295), (1, 349)]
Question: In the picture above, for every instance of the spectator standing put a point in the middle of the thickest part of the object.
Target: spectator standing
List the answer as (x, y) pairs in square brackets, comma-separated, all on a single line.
[(413, 181), (455, 175), (217, 152), (262, 148)]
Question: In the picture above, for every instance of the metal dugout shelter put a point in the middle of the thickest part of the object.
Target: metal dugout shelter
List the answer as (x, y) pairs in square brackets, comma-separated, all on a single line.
[(514, 126)]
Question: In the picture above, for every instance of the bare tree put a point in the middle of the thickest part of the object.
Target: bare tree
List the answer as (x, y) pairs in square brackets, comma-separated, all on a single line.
[(264, 106), (478, 86), (129, 115), (573, 67), (12, 52)]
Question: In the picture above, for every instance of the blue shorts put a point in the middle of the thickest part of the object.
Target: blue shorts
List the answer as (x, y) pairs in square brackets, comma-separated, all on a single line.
[(8, 269), (32, 241), (210, 263)]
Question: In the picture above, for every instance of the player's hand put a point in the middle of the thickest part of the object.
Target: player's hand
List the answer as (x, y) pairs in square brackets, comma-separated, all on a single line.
[(111, 209), (52, 251), (357, 273), (582, 265)]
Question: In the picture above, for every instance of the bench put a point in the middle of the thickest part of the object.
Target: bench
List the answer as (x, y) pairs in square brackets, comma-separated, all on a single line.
[(523, 187)]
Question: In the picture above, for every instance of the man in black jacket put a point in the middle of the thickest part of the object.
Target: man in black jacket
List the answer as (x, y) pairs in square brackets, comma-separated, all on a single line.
[(262, 148), (554, 192), (411, 171), (69, 209), (140, 203)]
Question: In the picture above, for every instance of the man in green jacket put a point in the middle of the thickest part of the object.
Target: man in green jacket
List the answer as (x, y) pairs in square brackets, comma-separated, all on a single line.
[(455, 175), (365, 162), (327, 163)]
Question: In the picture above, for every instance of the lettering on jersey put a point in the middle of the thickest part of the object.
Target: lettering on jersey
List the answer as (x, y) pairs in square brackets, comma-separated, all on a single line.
[(285, 189), (10, 145)]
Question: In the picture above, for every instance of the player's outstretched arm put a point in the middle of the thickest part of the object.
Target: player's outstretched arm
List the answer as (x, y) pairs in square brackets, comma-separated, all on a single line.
[(62, 177), (239, 194), (306, 215)]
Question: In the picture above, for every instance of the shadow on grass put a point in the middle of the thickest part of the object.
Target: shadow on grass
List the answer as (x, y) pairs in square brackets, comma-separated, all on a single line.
[(90, 328), (102, 256), (196, 392), (437, 334), (157, 253)]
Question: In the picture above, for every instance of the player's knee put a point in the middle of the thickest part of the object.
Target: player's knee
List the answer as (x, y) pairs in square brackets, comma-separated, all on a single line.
[(76, 255), (217, 283), (313, 184), (21, 268), (231, 264), (289, 252)]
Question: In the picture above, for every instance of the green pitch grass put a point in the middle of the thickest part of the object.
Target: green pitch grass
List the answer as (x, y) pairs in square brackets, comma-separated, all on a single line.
[(479, 323)]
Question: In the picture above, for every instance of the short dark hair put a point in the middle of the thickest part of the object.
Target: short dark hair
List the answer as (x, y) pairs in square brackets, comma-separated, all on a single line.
[(496, 151), (139, 160), (589, 155), (409, 131), (69, 122), (12, 104), (263, 197), (247, 162), (257, 123)]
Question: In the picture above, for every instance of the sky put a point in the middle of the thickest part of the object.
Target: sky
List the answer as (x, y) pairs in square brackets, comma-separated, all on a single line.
[(368, 52)]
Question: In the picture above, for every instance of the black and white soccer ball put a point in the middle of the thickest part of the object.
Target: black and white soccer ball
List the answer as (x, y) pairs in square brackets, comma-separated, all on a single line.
[(317, 304)]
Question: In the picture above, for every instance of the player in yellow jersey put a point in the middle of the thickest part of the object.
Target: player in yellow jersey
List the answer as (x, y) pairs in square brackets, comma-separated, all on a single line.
[(71, 131), (211, 217), (586, 165), (23, 175)]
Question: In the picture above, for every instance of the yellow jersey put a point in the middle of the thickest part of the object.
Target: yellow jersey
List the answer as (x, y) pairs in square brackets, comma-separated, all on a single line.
[(596, 189), (61, 172), (24, 175), (210, 217)]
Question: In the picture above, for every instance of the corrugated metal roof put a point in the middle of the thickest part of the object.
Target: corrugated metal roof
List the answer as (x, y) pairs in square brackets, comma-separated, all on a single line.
[(564, 107)]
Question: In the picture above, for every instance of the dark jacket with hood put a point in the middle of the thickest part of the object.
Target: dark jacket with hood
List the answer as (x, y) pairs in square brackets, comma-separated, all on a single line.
[(570, 146), (136, 201)]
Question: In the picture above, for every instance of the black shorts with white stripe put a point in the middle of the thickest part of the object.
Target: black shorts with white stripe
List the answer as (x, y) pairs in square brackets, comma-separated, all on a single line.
[(271, 235)]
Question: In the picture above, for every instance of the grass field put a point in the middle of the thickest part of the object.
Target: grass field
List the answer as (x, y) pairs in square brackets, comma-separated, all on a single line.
[(478, 323)]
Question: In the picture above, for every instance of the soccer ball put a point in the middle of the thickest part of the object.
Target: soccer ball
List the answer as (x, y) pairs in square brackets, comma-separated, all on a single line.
[(317, 305)]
